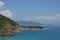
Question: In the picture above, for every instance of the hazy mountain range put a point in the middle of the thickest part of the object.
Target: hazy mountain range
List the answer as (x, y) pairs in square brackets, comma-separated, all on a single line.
[(32, 23), (29, 23)]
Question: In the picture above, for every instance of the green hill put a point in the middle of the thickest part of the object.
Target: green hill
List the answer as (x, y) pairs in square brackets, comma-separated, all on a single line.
[(8, 26)]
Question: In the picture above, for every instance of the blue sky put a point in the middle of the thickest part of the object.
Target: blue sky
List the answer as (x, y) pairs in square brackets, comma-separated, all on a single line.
[(33, 10)]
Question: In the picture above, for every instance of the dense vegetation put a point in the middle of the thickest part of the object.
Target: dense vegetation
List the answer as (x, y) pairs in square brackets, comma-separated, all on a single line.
[(7, 24)]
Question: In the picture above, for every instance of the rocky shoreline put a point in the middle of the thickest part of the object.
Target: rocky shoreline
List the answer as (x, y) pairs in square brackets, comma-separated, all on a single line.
[(14, 31), (9, 32)]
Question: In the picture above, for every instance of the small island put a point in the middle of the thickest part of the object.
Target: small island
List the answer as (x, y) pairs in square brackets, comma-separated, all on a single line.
[(10, 27)]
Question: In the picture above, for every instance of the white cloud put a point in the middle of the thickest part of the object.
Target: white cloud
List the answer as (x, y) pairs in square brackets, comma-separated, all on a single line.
[(1, 4), (6, 13), (50, 18), (45, 19), (57, 14)]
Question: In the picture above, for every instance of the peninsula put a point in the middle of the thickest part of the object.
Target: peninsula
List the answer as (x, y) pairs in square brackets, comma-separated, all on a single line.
[(10, 27)]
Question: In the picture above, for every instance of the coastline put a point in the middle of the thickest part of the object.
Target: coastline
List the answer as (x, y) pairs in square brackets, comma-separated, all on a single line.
[(36, 29)]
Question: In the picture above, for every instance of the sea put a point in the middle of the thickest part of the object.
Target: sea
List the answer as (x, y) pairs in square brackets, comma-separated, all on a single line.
[(50, 34)]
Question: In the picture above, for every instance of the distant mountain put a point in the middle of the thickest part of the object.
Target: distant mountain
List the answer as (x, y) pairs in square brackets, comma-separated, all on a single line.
[(32, 23), (29, 23)]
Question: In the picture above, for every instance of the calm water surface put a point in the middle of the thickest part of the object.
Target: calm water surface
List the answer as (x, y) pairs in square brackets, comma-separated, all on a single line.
[(50, 34)]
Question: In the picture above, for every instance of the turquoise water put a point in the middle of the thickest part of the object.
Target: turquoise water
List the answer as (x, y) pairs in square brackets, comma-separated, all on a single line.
[(50, 34)]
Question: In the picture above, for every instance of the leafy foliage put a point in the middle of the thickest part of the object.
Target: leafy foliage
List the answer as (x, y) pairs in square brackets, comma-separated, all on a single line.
[(6, 23)]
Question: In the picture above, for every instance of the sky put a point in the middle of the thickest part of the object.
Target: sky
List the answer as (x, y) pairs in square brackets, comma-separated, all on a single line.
[(31, 10)]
